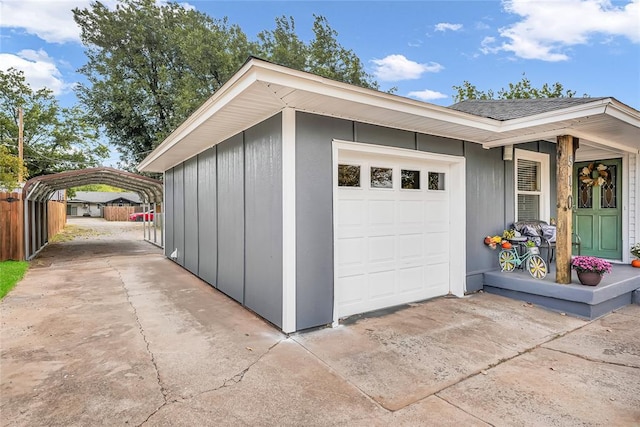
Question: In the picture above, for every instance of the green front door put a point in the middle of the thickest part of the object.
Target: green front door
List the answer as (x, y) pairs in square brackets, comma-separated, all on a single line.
[(598, 207)]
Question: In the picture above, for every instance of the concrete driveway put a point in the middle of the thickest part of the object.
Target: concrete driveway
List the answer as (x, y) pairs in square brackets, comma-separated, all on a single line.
[(106, 331)]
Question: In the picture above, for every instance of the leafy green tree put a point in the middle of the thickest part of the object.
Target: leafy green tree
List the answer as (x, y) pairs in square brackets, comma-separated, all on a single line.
[(323, 55), (10, 168), (55, 138), (520, 90), (149, 66)]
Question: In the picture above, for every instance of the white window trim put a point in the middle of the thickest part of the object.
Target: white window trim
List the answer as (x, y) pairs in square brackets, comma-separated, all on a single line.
[(545, 184)]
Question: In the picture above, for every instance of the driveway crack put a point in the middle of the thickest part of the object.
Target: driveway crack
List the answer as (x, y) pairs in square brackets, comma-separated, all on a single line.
[(590, 359), (229, 382), (152, 357), (237, 378)]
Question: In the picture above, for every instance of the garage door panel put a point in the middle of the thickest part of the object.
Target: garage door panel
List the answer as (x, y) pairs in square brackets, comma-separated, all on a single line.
[(382, 248), (401, 236), (351, 290), (381, 284), (381, 212), (352, 251), (350, 212), (411, 279), (411, 212), (410, 246)]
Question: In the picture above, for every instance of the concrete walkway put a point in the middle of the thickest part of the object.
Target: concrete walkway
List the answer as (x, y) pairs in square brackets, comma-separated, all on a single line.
[(106, 331)]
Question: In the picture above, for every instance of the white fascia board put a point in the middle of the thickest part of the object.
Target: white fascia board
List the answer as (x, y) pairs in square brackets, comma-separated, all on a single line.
[(298, 80), (573, 113), (239, 83), (623, 113), (600, 142), (529, 137), (593, 140), (607, 106)]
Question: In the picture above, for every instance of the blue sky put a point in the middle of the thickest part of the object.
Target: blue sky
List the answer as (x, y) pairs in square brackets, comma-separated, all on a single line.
[(422, 48)]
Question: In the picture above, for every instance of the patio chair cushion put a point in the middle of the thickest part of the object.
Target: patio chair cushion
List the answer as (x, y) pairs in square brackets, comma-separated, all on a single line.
[(549, 232)]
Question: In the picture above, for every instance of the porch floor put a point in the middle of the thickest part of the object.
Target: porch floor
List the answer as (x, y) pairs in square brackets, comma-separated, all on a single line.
[(620, 288)]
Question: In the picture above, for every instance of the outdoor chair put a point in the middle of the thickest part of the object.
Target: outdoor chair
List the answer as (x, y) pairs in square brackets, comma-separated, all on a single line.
[(544, 235)]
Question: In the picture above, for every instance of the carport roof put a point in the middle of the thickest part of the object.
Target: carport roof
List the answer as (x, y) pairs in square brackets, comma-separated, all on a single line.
[(42, 187), (261, 89)]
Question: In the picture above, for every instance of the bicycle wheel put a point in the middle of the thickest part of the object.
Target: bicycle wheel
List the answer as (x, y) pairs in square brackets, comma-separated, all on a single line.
[(507, 260), (536, 267)]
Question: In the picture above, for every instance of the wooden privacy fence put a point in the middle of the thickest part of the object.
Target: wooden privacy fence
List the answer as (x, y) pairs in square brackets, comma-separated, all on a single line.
[(57, 212), (11, 226), (12, 233), (118, 213)]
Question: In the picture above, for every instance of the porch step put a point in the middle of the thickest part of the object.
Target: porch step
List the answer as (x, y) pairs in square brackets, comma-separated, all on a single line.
[(616, 290)]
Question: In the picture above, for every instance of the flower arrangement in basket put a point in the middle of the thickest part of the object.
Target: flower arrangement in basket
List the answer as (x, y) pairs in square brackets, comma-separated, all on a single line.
[(584, 264), (493, 241)]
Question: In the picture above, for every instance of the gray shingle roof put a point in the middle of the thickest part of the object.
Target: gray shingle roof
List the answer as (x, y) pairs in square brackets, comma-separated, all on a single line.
[(103, 197), (507, 109)]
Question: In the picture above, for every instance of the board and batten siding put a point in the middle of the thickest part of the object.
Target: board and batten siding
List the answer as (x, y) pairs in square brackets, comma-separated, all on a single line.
[(224, 217), (191, 226), (230, 169), (207, 216), (314, 216), (263, 219)]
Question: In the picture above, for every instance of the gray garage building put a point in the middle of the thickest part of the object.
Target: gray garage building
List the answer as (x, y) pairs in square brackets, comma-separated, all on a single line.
[(307, 200)]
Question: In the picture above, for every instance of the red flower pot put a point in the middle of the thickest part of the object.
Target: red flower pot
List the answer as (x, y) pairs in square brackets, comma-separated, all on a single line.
[(636, 263)]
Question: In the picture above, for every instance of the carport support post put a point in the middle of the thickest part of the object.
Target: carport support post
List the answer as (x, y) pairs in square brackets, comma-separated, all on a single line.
[(564, 182)]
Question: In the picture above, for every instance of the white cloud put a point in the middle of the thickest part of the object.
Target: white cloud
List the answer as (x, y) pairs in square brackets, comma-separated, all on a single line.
[(397, 67), (545, 33), (39, 69), (52, 21), (444, 26), (427, 95)]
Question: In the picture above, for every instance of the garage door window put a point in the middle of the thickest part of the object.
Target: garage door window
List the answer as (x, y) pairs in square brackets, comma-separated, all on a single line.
[(436, 181), (381, 177), (348, 175), (410, 179)]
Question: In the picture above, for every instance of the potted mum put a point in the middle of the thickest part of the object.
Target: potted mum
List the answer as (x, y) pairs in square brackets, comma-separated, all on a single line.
[(635, 251), (590, 269)]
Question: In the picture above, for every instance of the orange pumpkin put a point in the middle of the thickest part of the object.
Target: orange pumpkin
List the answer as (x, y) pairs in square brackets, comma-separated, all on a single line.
[(636, 263), (506, 245)]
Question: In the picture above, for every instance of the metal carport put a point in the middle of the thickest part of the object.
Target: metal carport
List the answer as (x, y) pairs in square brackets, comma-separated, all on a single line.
[(37, 191)]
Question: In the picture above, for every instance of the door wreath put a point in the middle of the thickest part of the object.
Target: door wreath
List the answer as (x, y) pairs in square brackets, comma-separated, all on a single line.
[(593, 175)]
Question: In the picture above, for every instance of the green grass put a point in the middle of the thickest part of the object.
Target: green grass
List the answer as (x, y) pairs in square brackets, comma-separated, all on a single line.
[(10, 273)]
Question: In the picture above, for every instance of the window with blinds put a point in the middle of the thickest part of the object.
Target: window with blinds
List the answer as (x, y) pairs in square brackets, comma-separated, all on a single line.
[(528, 191)]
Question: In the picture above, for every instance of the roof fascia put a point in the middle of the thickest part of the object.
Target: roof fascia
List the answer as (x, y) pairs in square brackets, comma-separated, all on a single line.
[(553, 134), (299, 80), (608, 106), (223, 96)]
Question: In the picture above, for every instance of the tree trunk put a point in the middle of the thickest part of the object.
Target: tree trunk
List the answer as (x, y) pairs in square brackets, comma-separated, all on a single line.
[(564, 183)]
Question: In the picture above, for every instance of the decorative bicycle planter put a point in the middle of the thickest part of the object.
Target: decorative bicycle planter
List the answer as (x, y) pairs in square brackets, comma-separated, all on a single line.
[(509, 259)]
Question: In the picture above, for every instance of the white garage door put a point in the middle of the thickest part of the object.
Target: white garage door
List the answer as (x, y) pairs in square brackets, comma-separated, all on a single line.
[(392, 230)]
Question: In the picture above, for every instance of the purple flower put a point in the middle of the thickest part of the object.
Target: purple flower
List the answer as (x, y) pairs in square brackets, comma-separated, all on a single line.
[(590, 263)]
